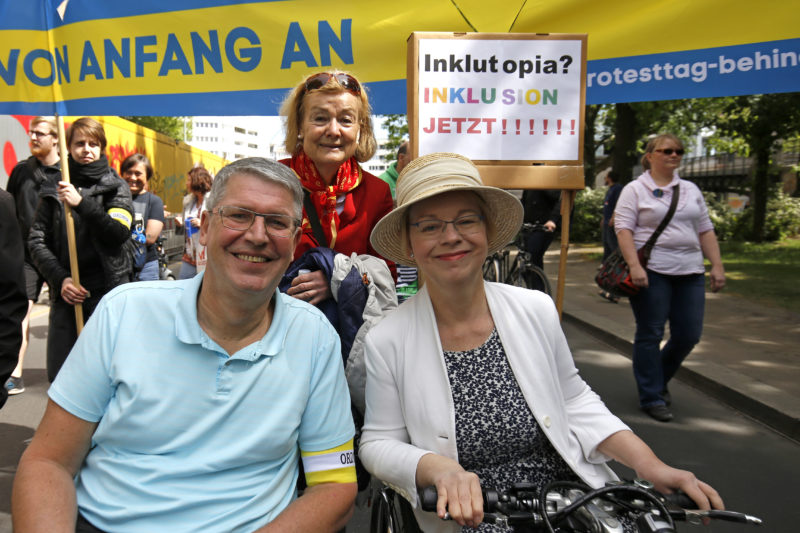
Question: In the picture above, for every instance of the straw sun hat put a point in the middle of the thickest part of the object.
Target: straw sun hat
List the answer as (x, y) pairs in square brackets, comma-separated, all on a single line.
[(438, 173)]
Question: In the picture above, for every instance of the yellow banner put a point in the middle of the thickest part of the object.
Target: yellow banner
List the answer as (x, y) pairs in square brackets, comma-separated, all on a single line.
[(260, 49)]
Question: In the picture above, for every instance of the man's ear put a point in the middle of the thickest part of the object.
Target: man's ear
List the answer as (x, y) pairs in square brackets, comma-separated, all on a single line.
[(298, 234), (205, 220)]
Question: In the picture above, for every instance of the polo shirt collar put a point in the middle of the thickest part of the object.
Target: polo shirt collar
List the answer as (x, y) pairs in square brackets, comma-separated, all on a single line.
[(188, 330)]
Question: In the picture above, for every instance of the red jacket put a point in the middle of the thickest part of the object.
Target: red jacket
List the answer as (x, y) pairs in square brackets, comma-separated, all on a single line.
[(364, 207)]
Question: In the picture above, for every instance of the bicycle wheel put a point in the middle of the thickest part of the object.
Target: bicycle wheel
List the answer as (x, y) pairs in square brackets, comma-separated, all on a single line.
[(518, 279), (537, 280), (491, 269), (383, 518)]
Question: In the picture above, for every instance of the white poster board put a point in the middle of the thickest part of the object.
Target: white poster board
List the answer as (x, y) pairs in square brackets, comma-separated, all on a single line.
[(516, 98)]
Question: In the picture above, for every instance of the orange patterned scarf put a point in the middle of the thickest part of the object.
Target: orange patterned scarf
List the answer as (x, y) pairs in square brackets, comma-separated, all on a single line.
[(347, 178)]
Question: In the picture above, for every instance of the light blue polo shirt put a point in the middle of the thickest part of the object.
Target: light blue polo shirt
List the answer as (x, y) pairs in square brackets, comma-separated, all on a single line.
[(190, 439)]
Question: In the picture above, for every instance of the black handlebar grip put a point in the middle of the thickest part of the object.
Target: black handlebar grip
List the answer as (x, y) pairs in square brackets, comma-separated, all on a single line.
[(681, 500), (427, 498)]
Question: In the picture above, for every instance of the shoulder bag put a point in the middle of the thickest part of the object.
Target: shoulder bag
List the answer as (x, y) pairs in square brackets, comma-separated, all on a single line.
[(313, 219), (614, 276)]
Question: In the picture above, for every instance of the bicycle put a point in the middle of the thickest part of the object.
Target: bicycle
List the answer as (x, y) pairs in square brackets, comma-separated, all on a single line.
[(515, 267), (569, 507), (164, 272), (391, 513)]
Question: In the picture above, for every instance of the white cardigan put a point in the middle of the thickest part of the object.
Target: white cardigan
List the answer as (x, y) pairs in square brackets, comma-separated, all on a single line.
[(410, 408)]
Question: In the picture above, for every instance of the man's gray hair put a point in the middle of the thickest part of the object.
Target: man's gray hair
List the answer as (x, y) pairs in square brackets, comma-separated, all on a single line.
[(267, 170)]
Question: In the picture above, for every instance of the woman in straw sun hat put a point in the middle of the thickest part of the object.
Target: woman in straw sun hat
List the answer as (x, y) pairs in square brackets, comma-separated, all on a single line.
[(471, 382)]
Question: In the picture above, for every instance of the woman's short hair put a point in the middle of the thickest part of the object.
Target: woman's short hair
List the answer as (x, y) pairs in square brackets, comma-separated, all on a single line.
[(90, 128), (265, 169), (133, 160), (199, 179), (292, 110), (654, 142)]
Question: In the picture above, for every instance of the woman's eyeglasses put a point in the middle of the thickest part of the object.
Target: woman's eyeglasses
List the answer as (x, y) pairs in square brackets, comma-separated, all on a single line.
[(240, 219), (670, 151), (432, 228), (348, 82)]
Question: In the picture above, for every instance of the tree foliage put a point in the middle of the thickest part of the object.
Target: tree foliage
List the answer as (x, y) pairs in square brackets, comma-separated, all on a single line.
[(170, 126), (761, 123), (397, 127), (754, 126)]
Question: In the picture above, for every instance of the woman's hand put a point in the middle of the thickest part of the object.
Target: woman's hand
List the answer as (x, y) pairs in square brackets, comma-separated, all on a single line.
[(638, 275), (717, 277), (549, 226), (195, 221), (631, 451), (68, 194), (710, 247), (631, 255), (667, 479), (459, 491), (313, 287), (71, 293)]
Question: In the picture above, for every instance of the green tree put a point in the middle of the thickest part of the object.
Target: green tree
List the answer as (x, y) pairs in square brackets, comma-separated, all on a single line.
[(397, 127), (628, 125), (763, 122), (590, 143), (170, 126)]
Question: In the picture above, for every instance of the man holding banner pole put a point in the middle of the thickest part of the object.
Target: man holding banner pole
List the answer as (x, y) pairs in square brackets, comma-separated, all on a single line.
[(84, 222), (70, 225)]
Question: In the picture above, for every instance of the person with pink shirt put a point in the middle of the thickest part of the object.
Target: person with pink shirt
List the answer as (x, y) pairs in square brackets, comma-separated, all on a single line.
[(673, 282)]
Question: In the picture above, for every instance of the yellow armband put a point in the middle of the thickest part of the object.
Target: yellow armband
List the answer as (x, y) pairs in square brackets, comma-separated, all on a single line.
[(121, 215), (337, 465)]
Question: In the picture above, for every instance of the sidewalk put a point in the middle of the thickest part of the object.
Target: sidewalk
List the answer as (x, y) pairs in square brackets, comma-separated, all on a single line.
[(749, 355)]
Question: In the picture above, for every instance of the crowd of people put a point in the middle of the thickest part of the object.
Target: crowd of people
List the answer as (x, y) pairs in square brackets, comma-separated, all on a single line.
[(282, 353)]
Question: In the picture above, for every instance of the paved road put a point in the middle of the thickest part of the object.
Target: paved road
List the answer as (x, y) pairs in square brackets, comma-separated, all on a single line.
[(755, 469)]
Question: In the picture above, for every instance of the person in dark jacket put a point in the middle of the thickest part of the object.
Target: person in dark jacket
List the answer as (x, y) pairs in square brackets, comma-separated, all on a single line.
[(542, 206), (607, 229), (609, 204), (102, 210), (24, 184), (13, 301)]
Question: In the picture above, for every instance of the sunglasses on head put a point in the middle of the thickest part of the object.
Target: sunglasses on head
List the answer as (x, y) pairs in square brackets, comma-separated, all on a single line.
[(348, 82), (670, 151)]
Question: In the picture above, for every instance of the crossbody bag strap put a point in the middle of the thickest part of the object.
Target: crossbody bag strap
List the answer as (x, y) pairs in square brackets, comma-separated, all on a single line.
[(313, 219), (673, 205)]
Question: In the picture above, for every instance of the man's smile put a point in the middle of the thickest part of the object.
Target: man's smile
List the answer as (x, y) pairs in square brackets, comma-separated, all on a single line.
[(251, 258)]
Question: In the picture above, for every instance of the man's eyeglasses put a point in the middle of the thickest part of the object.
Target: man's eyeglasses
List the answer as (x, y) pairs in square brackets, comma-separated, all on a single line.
[(240, 219), (34, 133), (348, 82), (670, 151), (433, 227)]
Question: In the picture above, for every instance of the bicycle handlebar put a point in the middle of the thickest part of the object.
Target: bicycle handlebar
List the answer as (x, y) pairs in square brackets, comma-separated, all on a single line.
[(531, 227), (591, 508)]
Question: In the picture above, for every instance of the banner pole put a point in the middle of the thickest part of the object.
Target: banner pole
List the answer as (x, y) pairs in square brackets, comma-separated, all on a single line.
[(71, 243), (567, 200)]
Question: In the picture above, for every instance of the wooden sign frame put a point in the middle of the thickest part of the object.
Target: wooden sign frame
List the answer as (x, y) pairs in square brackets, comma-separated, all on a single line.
[(566, 175), (507, 174)]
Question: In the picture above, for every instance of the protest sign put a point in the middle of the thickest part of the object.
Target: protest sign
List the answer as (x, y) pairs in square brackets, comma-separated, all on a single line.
[(513, 100)]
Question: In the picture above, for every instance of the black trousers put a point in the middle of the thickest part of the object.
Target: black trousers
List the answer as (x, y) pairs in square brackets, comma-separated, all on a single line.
[(83, 526), (536, 244), (62, 331)]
